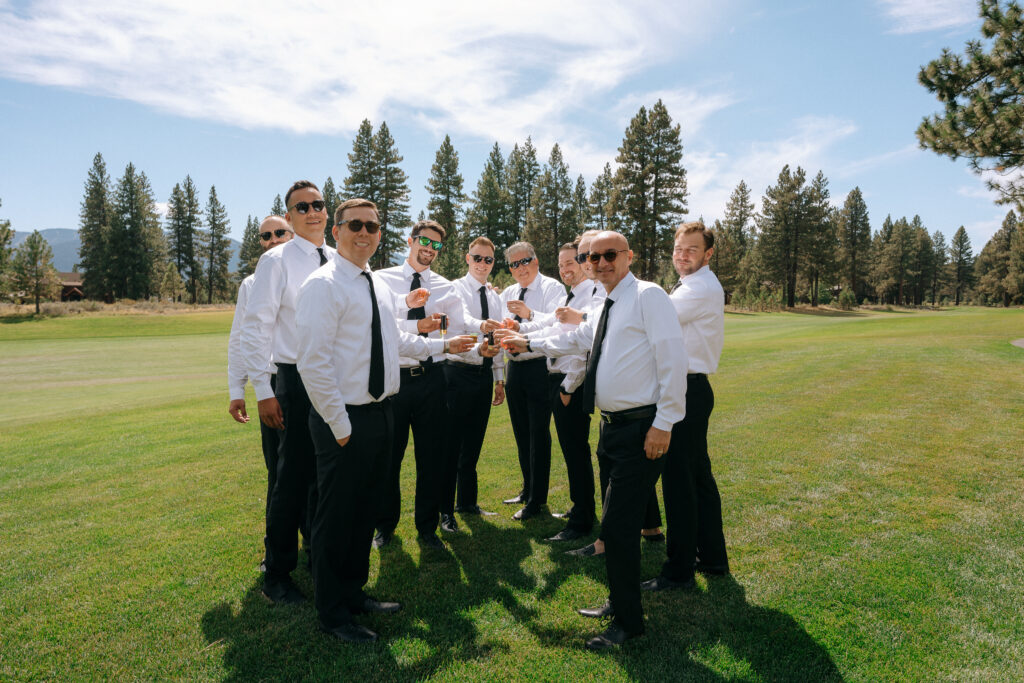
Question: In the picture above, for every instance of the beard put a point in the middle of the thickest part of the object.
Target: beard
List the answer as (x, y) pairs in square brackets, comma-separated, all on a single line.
[(425, 258)]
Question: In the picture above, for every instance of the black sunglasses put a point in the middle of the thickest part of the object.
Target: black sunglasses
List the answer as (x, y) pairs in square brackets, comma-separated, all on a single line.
[(582, 257), (303, 207), (279, 233), (355, 225), (609, 255), (521, 262), (477, 258)]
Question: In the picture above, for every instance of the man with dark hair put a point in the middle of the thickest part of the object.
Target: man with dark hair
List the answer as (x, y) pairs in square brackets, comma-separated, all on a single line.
[(636, 378), (349, 345), (470, 390), (421, 401), (693, 506), (268, 338), (274, 230)]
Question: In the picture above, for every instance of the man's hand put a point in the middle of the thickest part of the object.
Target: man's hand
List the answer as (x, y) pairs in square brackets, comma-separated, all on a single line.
[(417, 297), (565, 314), (342, 442), (510, 341), (499, 395), (489, 326), (461, 343), (520, 308), (429, 324), (509, 324), (270, 413), (236, 409), (564, 397), (487, 350), (656, 443)]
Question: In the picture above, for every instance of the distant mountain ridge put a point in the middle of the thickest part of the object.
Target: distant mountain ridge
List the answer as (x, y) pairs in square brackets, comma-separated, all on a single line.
[(65, 243)]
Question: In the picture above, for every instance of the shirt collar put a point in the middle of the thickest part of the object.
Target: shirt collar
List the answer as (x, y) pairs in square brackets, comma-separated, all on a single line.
[(697, 273), (408, 270), (584, 286), (625, 284), (535, 281), (307, 246), (347, 268)]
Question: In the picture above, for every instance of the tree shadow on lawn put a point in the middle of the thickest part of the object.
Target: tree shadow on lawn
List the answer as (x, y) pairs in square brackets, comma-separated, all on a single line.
[(433, 629)]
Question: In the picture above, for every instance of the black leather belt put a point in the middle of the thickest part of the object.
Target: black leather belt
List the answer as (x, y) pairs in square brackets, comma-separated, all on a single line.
[(366, 407), (630, 415), (421, 370), (470, 367), (696, 374)]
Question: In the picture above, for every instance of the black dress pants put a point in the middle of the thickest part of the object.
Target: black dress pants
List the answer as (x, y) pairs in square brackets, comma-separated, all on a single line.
[(573, 428), (710, 537), (469, 409), (652, 513), (351, 481), (294, 494), (529, 408), (631, 476), (421, 405)]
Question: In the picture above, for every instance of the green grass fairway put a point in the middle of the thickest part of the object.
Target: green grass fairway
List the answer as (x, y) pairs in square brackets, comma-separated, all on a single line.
[(871, 469)]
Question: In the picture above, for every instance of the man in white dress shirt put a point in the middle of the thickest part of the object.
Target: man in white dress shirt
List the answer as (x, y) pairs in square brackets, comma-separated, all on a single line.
[(527, 393), (421, 403), (636, 377), (693, 506), (269, 337), (349, 344), (470, 381), (274, 230)]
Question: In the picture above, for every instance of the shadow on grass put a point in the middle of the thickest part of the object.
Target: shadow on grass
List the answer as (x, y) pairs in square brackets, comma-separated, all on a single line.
[(825, 312), (15, 318)]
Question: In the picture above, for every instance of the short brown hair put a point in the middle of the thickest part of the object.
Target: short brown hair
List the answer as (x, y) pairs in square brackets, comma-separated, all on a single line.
[(297, 185), (696, 226), (482, 241), (353, 203), (569, 245), (428, 225)]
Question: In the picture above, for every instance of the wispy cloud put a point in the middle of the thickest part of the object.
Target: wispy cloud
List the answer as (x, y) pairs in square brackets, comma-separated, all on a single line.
[(859, 166), (494, 70), (918, 16)]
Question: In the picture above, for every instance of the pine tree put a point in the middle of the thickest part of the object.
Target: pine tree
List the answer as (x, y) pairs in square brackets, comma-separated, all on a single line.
[(898, 260), (940, 266), (94, 232), (32, 270), (489, 214), (878, 268), (992, 268), (331, 201), (549, 222), (523, 170), (961, 263), (251, 250), (854, 242), (733, 238), (1015, 269), (924, 260), (600, 202), (184, 221), (363, 178), (580, 206), (821, 239), (783, 227), (278, 208), (392, 197), (445, 207), (6, 252), (137, 248), (217, 249)]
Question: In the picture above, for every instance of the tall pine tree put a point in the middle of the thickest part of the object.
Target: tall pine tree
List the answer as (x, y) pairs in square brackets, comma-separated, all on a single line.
[(363, 179), (549, 222), (854, 242), (331, 201), (523, 170), (732, 235), (392, 197), (940, 266), (445, 207), (992, 268), (278, 208), (217, 248), (6, 239), (600, 201), (489, 214), (94, 233), (137, 249), (184, 221), (251, 250), (783, 230), (961, 263)]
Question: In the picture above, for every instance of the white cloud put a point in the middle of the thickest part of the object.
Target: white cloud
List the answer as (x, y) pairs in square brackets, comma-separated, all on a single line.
[(917, 16), (499, 71), (860, 166), (161, 208)]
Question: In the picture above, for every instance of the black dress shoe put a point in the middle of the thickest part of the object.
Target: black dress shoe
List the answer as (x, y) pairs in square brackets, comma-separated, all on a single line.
[(371, 606), (560, 515), (566, 535), (662, 583), (473, 510), (282, 592), (382, 539), (351, 633), (449, 525), (430, 541), (613, 636), (524, 514), (605, 610), (517, 499), (713, 569), (585, 551), (655, 538)]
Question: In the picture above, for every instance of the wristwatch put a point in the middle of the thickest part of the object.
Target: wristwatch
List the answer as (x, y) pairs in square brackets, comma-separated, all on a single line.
[(584, 316)]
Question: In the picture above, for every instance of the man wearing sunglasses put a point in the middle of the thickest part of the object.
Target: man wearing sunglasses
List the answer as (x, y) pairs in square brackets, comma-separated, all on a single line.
[(529, 405), (637, 378), (470, 380), (269, 339), (273, 231), (421, 402)]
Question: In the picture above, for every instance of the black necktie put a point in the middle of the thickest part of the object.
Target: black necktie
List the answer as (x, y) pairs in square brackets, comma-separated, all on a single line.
[(485, 314), (376, 345), (594, 293), (590, 381), (522, 295), (323, 258), (569, 298), (416, 313), (677, 286)]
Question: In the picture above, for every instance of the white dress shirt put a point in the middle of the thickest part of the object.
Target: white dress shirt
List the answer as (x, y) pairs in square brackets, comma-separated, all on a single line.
[(700, 306), (573, 366), (237, 372), (643, 361), (443, 299), (543, 295), (268, 331), (333, 321), (468, 289)]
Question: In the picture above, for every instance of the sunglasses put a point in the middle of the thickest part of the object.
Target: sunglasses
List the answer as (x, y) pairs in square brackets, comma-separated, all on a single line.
[(582, 257), (279, 233), (521, 262), (609, 255), (303, 207), (427, 242), (477, 258), (355, 225)]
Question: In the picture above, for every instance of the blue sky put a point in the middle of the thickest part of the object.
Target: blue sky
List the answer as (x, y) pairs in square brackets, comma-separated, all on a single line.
[(251, 96)]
